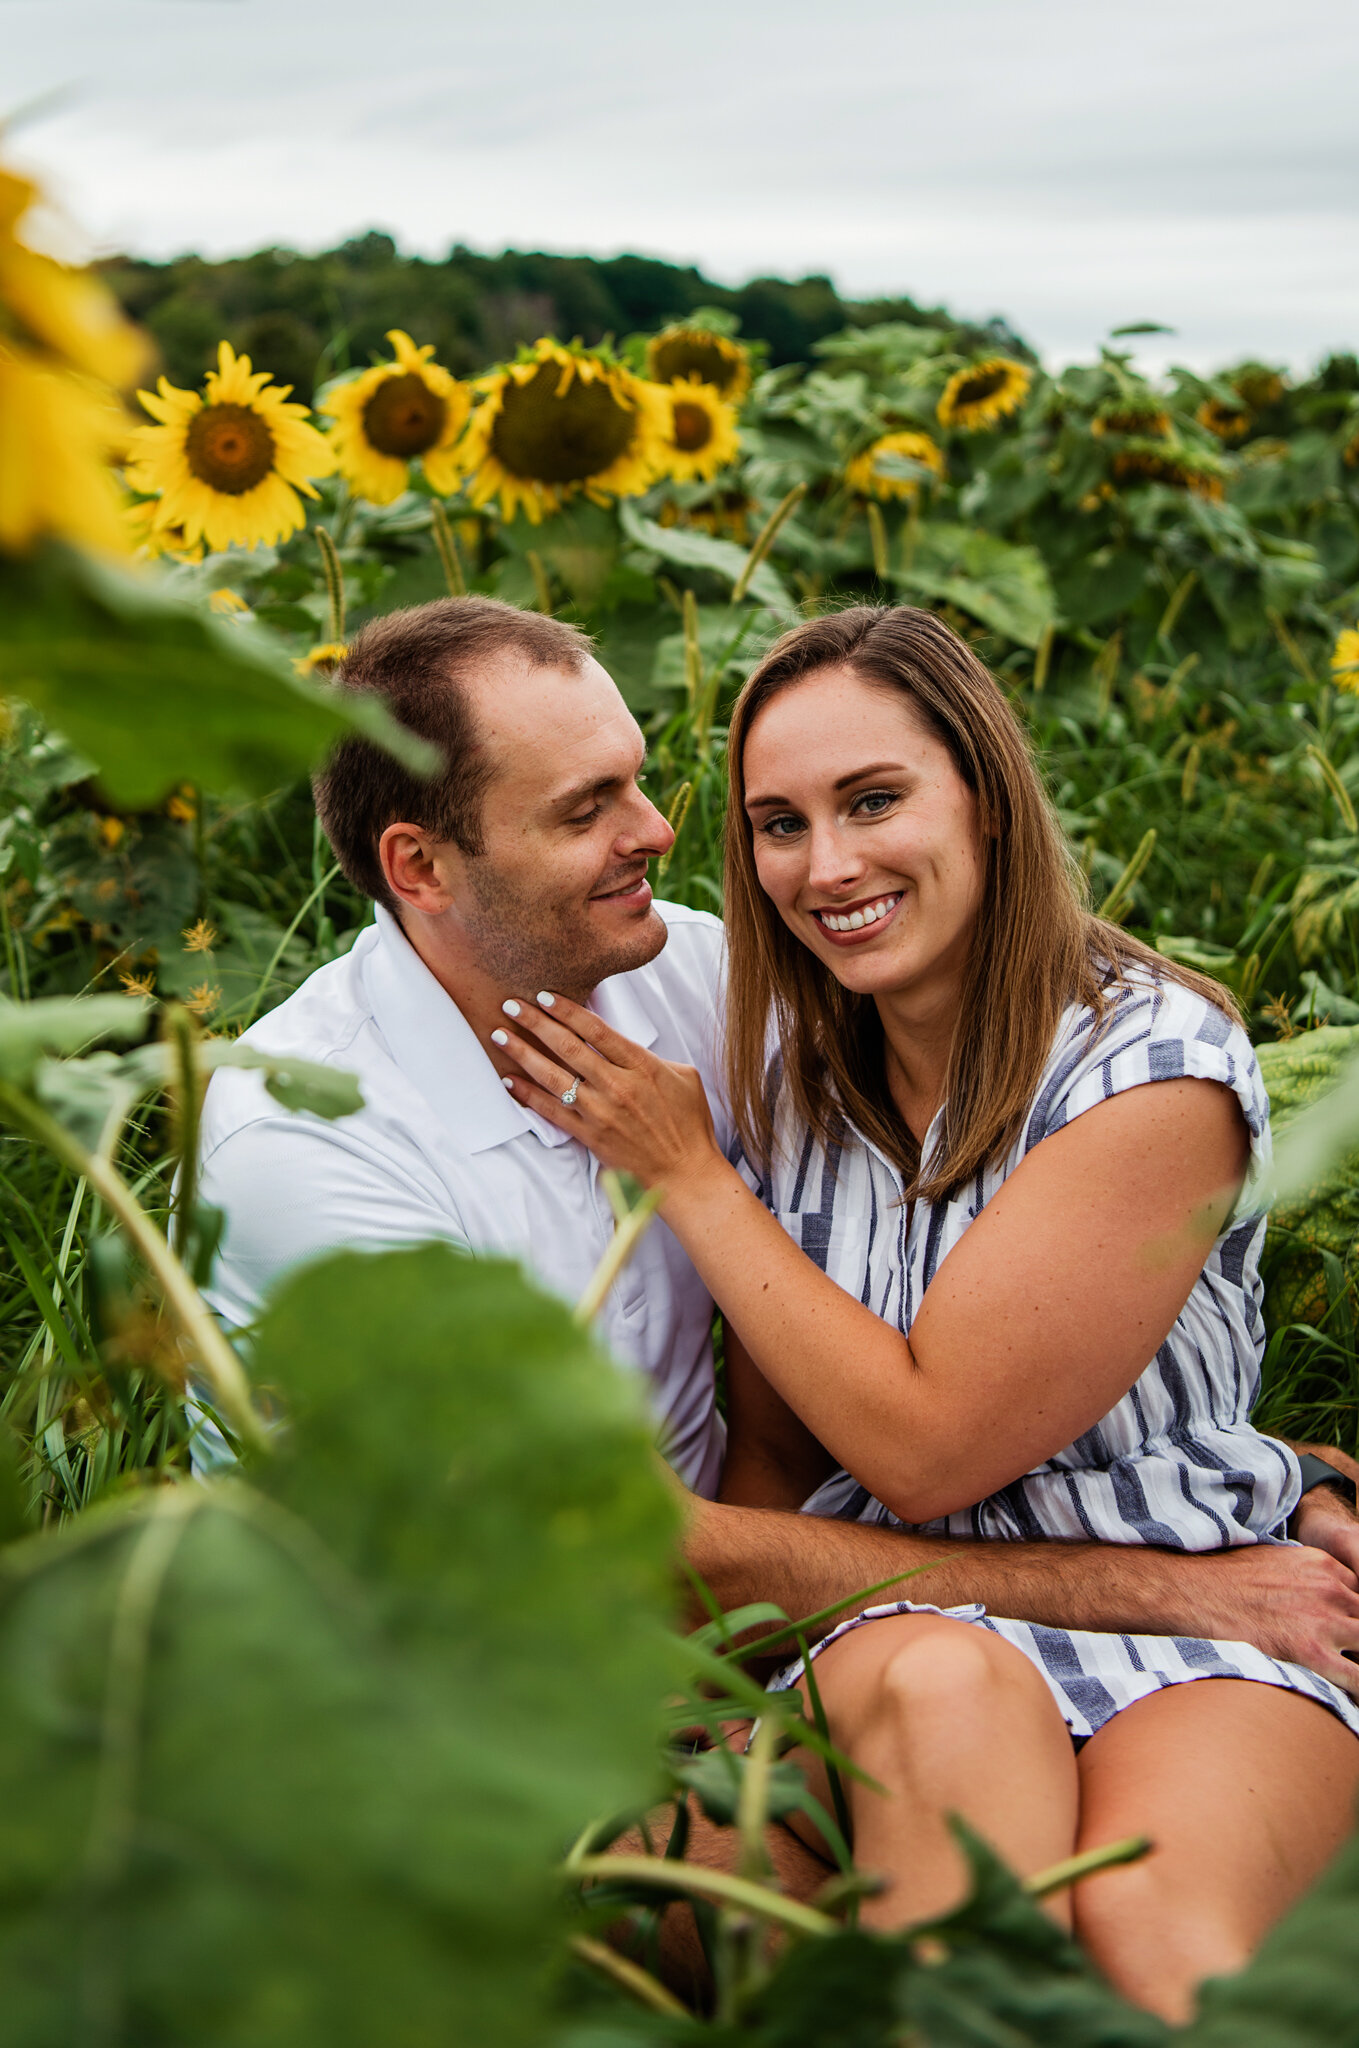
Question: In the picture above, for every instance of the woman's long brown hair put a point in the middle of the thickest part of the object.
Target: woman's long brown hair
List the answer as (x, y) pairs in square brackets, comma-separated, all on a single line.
[(1036, 947)]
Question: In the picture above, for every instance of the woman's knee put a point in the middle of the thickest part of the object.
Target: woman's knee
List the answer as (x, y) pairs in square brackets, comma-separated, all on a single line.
[(951, 1672)]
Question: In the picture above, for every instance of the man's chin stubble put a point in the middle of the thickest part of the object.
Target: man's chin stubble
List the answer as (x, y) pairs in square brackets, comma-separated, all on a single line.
[(525, 962)]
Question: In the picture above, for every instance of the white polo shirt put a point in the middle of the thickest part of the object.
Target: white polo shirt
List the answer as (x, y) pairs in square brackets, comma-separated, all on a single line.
[(442, 1150)]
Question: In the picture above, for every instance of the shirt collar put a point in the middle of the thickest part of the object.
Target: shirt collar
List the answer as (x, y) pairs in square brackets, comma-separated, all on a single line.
[(436, 1048)]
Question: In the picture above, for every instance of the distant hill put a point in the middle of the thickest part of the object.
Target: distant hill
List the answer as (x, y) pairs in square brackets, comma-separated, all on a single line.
[(304, 317)]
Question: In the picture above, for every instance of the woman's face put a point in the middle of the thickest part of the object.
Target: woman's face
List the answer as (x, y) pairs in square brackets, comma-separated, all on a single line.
[(865, 834)]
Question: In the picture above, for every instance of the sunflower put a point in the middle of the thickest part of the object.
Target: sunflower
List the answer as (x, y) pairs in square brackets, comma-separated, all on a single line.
[(682, 352), (65, 350), (1228, 422), (1257, 385), (1124, 416), (699, 436), (1146, 462), (1345, 660), (558, 421), (983, 393), (152, 541), (863, 476), (228, 466), (387, 416)]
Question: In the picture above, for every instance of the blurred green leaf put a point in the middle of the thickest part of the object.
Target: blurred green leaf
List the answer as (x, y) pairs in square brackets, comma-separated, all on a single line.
[(29, 1032), (1004, 586), (159, 692), (690, 550), (509, 1509)]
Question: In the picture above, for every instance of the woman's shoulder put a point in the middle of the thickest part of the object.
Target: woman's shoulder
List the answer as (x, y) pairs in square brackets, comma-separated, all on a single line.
[(1154, 1027)]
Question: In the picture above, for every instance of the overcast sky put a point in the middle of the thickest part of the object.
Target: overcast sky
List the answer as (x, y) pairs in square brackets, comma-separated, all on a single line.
[(1074, 164)]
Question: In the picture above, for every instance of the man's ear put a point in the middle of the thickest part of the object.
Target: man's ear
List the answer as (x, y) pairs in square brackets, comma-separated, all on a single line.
[(419, 871)]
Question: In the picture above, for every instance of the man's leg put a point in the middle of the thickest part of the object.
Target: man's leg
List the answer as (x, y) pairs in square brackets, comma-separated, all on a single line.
[(948, 1719), (1247, 1791)]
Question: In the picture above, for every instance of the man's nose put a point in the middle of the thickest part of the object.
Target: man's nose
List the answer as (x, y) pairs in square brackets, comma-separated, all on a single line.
[(645, 829)]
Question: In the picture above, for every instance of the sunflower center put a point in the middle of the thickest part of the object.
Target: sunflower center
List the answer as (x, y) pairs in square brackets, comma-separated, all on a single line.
[(404, 417), (687, 356), (560, 440), (693, 427), (985, 384), (229, 448)]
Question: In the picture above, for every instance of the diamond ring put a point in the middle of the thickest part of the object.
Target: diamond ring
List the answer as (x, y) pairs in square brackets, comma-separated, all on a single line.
[(568, 1100)]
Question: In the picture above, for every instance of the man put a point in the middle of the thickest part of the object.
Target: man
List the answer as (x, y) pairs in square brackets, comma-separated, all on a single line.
[(524, 867)]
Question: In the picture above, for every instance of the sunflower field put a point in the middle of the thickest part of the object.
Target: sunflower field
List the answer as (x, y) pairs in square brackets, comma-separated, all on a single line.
[(333, 1746)]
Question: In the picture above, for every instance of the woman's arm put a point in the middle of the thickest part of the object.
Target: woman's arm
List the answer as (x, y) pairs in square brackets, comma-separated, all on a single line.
[(1037, 1322), (773, 1460)]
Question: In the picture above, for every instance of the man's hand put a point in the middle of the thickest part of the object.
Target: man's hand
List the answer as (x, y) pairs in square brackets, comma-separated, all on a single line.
[(1325, 1519), (1298, 1604)]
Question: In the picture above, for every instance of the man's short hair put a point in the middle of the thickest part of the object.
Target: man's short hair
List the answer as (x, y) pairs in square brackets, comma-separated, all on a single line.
[(418, 661)]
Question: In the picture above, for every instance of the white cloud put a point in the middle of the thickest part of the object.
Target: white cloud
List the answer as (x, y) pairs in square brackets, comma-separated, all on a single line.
[(1070, 164)]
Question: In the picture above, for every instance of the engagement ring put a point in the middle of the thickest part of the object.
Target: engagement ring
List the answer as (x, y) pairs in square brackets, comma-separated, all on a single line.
[(572, 1092)]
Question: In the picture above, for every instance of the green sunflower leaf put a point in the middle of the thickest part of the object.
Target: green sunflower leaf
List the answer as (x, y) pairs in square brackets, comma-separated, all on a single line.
[(1004, 586), (158, 692), (690, 550)]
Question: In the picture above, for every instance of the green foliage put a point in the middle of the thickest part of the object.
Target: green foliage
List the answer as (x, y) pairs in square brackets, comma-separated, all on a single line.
[(158, 692), (251, 1796)]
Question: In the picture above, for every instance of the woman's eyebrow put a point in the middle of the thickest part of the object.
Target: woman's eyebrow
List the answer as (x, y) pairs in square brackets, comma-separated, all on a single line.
[(878, 768)]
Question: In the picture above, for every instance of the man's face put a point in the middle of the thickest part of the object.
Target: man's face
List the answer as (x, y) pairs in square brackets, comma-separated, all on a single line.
[(559, 898)]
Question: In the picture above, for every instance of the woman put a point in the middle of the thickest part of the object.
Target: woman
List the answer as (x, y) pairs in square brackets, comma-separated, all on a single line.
[(992, 1257)]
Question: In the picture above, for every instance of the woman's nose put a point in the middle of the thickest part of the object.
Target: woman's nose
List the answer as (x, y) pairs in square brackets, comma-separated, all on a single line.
[(830, 862)]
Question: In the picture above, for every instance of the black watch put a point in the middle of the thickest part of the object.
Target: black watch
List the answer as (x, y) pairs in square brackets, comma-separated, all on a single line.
[(1316, 1472)]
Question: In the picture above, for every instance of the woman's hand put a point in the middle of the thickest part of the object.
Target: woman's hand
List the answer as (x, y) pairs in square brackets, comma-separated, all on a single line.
[(637, 1114)]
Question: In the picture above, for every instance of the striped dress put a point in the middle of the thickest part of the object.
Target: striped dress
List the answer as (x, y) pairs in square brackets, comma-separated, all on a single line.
[(1177, 1462)]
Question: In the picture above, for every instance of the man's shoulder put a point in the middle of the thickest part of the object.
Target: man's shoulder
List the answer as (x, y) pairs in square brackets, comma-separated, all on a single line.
[(325, 1020), (691, 935)]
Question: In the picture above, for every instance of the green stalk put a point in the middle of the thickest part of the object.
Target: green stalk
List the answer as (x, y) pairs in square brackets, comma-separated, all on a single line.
[(541, 587), (1329, 776), (220, 1366), (693, 650), (621, 1246), (877, 534), (1059, 1875), (675, 817), (705, 1884), (1118, 898), (446, 542), (182, 1032), (334, 575), (765, 539), (645, 1988), (1043, 657), (1178, 599)]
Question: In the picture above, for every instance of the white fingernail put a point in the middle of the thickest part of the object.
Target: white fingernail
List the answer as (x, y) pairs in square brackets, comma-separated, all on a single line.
[(510, 1008), (506, 1082), (500, 1038), (545, 1000)]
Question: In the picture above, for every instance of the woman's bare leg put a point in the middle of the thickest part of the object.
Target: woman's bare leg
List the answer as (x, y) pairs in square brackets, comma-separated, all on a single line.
[(1247, 1792), (948, 1719)]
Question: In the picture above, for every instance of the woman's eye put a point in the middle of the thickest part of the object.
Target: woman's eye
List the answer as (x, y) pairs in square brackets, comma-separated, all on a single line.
[(782, 828), (874, 802)]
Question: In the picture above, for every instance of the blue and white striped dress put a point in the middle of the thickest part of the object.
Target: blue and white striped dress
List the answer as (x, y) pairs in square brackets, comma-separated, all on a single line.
[(1177, 1462)]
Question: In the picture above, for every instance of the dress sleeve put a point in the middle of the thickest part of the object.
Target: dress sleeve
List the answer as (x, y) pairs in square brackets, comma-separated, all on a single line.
[(1155, 1031)]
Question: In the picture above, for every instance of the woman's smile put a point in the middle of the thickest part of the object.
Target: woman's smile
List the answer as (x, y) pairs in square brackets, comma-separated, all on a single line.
[(850, 924)]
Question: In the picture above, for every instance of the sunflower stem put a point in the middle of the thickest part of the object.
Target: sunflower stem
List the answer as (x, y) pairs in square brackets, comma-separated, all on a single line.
[(334, 575), (445, 540), (542, 588), (877, 534), (766, 537), (1043, 657), (693, 649)]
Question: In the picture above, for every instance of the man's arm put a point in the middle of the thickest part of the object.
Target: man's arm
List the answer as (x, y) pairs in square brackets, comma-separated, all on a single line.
[(1298, 1604)]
